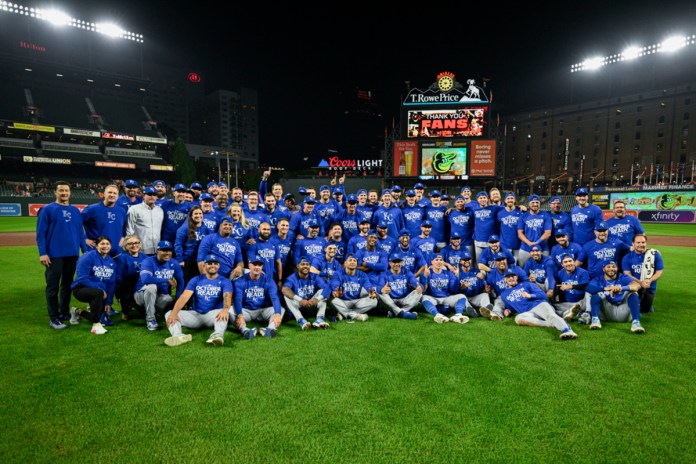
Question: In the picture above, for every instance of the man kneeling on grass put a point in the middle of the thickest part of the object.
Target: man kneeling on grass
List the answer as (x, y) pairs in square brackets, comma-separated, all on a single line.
[(532, 308), (212, 298)]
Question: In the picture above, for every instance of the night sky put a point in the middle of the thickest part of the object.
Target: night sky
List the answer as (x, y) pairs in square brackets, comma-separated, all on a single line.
[(299, 59)]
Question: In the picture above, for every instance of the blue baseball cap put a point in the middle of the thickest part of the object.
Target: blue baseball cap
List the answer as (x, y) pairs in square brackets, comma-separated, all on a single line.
[(419, 185), (499, 256), (554, 198), (222, 184), (365, 221), (510, 272), (561, 232), (211, 258), (482, 193), (159, 183), (466, 187), (196, 186), (324, 187), (302, 191), (607, 262), (352, 198), (131, 183), (212, 184), (460, 198), (566, 255), (396, 188), (581, 192), (226, 219), (149, 191), (426, 223), (435, 193), (410, 193), (466, 254), (180, 188), (312, 223), (382, 225), (534, 197), (205, 196), (404, 232), (165, 245), (493, 238), (455, 236), (337, 190), (445, 197), (535, 248), (386, 191), (510, 194), (601, 226), (310, 200), (371, 232), (362, 192), (396, 256), (304, 260)]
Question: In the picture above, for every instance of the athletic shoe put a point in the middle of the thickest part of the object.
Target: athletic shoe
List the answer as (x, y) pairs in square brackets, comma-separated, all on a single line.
[(570, 315), (152, 325), (74, 317), (57, 324), (215, 340), (485, 312), (178, 340), (320, 323), (496, 317), (568, 334), (338, 318), (98, 329), (441, 318), (459, 319), (408, 315), (248, 333), (595, 324), (105, 319), (391, 315), (268, 332), (304, 323), (585, 318), (360, 317), (113, 312), (64, 317), (636, 328)]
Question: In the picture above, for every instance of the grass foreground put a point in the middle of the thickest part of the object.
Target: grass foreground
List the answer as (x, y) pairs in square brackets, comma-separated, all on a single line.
[(383, 391)]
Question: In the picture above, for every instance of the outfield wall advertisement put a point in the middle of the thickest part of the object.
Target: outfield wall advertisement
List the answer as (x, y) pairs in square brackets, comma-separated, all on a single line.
[(664, 207)]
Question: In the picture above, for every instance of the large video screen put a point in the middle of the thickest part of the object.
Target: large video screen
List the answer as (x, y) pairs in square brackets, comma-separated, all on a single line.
[(447, 123), (444, 162)]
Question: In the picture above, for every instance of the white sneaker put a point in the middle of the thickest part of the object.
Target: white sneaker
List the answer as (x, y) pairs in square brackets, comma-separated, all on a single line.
[(98, 329), (360, 317), (215, 340), (178, 340), (74, 317), (569, 335), (459, 319), (441, 318), (572, 312)]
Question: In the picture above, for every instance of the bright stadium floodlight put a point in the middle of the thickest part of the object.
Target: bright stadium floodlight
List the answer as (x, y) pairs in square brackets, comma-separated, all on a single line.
[(55, 17), (60, 18), (110, 29), (631, 53), (672, 44)]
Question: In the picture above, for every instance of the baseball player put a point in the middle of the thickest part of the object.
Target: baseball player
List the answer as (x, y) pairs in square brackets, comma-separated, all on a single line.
[(614, 298), (571, 282), (399, 289), (256, 299), (645, 266), (441, 288), (473, 286), (212, 300), (531, 306), (584, 217), (354, 294), (304, 290)]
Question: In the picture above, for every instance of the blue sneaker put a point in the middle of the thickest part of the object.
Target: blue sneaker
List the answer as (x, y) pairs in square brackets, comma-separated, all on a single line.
[(113, 312), (106, 320), (304, 323), (58, 324), (390, 315), (595, 324), (268, 332), (408, 315), (248, 333), (152, 325)]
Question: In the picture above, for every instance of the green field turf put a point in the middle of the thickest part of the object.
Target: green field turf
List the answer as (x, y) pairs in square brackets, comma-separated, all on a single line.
[(384, 391)]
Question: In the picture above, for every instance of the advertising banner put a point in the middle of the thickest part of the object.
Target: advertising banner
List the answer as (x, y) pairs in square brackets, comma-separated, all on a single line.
[(675, 217), (661, 201), (482, 158), (10, 209), (444, 161), (405, 158), (454, 123), (114, 164)]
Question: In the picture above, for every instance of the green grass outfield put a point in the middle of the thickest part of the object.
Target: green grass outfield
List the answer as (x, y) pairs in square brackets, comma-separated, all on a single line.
[(384, 391)]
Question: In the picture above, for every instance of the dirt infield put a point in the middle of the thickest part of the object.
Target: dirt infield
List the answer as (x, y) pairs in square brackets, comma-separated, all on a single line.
[(28, 239)]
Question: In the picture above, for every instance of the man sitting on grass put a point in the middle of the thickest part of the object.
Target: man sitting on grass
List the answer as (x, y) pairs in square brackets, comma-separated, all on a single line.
[(212, 299), (614, 298)]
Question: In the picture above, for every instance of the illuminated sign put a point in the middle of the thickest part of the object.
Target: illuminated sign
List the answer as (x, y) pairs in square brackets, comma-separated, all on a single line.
[(482, 158), (114, 164), (444, 161), (651, 201), (160, 167), (447, 91), (462, 122), (117, 136), (141, 138), (31, 46), (336, 163), (194, 77), (45, 160), (82, 132), (33, 127), (405, 158)]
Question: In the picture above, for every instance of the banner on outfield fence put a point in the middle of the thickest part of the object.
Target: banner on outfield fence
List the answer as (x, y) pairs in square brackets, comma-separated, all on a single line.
[(35, 207), (114, 164), (650, 201), (670, 217), (10, 209)]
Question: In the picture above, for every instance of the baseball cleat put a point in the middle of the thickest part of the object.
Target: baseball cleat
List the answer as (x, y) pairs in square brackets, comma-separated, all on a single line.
[(595, 324), (636, 328)]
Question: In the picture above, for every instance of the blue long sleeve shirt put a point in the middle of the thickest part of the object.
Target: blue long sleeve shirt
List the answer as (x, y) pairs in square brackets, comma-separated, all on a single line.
[(59, 231), (154, 272), (110, 221)]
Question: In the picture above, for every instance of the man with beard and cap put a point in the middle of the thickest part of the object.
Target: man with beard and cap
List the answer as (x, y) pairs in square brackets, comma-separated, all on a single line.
[(614, 298), (305, 291), (399, 289)]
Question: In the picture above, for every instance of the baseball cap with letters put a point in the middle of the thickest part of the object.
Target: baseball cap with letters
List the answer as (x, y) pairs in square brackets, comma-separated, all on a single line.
[(482, 194), (310, 200), (534, 197), (396, 188), (149, 191), (159, 183), (196, 186), (498, 257), (131, 183), (256, 260), (396, 256), (165, 245), (205, 196), (582, 191), (410, 193), (493, 238), (601, 226), (352, 198), (561, 233), (510, 272), (211, 258), (435, 193), (180, 188), (419, 185)]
